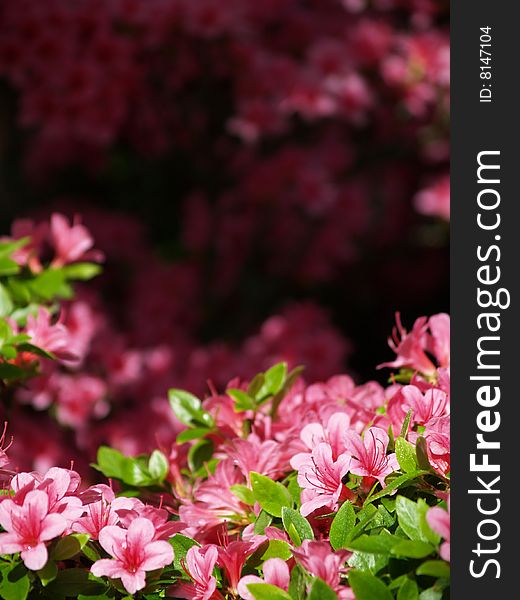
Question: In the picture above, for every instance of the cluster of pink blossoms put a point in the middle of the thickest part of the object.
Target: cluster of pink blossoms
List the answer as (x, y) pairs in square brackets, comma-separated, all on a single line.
[(115, 367), (332, 439)]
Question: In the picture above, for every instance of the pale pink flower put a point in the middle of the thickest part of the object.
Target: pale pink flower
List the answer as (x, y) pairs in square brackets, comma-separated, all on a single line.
[(98, 515), (369, 458), (134, 553), (439, 520), (275, 571), (332, 433), (435, 199), (320, 476), (28, 526), (199, 565), (71, 242)]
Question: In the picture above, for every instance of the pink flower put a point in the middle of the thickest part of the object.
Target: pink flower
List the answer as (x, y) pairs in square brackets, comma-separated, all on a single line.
[(134, 553), (71, 242), (319, 559), (99, 514), (199, 565), (320, 476), (433, 403), (439, 520), (315, 433), (435, 199), (28, 526), (232, 558), (369, 458), (276, 572), (51, 337)]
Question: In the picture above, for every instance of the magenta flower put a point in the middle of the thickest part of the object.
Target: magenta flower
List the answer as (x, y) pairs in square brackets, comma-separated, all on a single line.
[(369, 458), (276, 572), (134, 554), (199, 565), (28, 526), (320, 477), (439, 520), (71, 242)]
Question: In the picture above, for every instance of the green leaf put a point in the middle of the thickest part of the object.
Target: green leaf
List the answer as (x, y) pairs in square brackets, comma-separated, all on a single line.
[(412, 519), (274, 379), (8, 247), (271, 495), (255, 385), (396, 483), (73, 582), (408, 591), (297, 583), (363, 561), (374, 544), (9, 371), (263, 520), (181, 544), (295, 490), (412, 549), (69, 546), (406, 424), (366, 517), (243, 400), (296, 525), (188, 409), (158, 466), (405, 453), (434, 568), (266, 591), (409, 518), (431, 594), (421, 452), (48, 573), (368, 587), (51, 284), (321, 591), (82, 271), (8, 266), (342, 526), (6, 304), (192, 434), (199, 454), (112, 463), (243, 493), (15, 582), (277, 549)]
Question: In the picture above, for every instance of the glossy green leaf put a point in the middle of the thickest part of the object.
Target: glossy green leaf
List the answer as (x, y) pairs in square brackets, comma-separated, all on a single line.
[(342, 526), (405, 453), (271, 495), (296, 525), (368, 587)]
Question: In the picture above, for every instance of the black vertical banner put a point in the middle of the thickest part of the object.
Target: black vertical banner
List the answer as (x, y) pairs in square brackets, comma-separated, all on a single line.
[(485, 282)]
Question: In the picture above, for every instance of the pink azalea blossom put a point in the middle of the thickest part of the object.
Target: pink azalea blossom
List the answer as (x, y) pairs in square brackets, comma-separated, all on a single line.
[(433, 403), (199, 565), (134, 553), (439, 520), (28, 526), (232, 557), (275, 571), (320, 476), (369, 458), (71, 242), (51, 337), (320, 560)]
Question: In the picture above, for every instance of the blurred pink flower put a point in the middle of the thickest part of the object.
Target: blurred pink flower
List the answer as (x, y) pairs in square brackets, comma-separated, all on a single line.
[(439, 520)]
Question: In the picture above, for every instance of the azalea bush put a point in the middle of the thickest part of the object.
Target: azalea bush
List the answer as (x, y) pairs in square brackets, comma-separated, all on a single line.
[(273, 488)]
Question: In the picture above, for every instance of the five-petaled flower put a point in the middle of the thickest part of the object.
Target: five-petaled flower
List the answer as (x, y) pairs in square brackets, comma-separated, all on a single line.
[(28, 526), (134, 553)]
